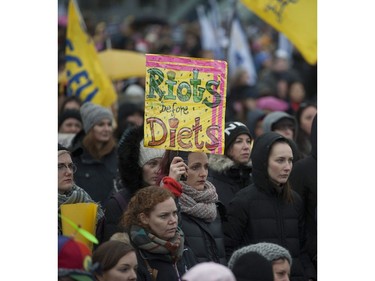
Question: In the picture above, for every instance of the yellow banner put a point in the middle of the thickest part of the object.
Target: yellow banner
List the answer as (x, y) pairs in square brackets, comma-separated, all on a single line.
[(296, 19), (185, 103), (85, 75)]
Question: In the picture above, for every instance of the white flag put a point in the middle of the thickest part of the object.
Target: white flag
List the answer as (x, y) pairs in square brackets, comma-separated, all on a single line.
[(207, 32), (239, 55), (219, 32)]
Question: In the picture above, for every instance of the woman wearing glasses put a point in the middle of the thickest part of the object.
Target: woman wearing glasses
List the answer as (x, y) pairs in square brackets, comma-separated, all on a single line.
[(68, 191)]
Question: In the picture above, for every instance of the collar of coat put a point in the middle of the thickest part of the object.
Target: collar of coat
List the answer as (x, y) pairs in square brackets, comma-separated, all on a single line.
[(222, 163)]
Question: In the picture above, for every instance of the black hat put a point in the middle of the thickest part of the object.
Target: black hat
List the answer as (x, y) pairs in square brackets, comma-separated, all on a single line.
[(69, 113), (232, 131), (252, 266)]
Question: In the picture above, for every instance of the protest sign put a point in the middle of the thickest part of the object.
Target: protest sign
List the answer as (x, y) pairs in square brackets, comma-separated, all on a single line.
[(185, 102)]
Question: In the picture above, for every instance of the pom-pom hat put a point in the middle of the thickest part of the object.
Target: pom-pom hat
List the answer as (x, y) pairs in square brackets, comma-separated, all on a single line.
[(74, 259)]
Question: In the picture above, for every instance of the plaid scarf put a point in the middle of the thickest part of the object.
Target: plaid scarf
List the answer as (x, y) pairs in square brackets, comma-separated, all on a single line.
[(199, 203), (147, 241), (77, 195)]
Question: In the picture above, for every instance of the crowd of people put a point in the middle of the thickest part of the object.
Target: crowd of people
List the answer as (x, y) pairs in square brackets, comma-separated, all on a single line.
[(249, 214)]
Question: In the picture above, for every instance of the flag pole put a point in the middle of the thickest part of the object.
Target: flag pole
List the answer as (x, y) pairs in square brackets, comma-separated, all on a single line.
[(79, 14)]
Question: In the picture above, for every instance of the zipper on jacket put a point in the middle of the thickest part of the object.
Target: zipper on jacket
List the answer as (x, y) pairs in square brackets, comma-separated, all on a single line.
[(178, 273), (281, 220)]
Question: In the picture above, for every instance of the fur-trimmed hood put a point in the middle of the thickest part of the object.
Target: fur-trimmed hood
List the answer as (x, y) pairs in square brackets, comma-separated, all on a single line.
[(128, 156), (220, 163)]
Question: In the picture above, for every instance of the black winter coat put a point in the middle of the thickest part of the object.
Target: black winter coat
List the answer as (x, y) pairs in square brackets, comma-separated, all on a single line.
[(304, 181), (96, 177), (227, 177), (260, 213), (257, 216), (167, 271), (205, 239), (113, 210)]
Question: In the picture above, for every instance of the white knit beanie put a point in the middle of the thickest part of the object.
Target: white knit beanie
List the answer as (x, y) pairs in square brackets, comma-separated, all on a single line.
[(146, 154), (209, 271), (92, 114), (270, 251)]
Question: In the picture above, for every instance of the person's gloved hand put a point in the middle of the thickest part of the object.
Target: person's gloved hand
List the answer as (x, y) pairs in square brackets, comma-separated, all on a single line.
[(174, 186)]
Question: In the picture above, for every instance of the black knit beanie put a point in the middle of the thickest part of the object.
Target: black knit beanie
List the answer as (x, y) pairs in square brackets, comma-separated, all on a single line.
[(252, 266), (69, 113), (232, 131)]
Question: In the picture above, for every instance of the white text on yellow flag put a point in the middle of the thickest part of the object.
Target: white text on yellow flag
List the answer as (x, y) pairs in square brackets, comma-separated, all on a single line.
[(86, 78)]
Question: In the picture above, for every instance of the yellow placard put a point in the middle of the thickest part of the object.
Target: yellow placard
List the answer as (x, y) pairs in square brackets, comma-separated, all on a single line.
[(83, 215), (185, 102)]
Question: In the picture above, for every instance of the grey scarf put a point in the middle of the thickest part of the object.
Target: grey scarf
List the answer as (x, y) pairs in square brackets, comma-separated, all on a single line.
[(77, 195), (200, 204)]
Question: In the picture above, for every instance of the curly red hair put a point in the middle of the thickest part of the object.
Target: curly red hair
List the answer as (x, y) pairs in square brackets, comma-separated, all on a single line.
[(144, 201)]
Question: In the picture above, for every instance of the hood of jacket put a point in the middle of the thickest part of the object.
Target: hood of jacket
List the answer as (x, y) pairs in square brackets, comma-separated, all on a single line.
[(272, 117), (252, 119), (128, 156), (259, 156)]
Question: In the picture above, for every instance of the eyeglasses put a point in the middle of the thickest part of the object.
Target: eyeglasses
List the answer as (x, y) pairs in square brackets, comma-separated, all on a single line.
[(63, 167)]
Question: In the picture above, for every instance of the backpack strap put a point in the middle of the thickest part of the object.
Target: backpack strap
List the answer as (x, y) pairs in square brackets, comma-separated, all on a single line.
[(120, 200)]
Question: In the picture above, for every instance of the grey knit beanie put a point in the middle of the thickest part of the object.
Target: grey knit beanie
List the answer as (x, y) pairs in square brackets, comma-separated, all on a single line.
[(270, 251), (147, 153), (92, 114)]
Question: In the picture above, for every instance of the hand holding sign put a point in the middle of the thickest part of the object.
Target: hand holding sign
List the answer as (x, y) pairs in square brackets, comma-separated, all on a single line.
[(178, 168)]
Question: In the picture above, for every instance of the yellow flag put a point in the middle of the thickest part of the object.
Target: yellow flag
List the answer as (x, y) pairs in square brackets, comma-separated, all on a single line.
[(296, 19), (86, 78)]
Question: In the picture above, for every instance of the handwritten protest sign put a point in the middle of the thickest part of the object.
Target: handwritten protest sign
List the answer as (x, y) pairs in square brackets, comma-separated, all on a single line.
[(185, 102)]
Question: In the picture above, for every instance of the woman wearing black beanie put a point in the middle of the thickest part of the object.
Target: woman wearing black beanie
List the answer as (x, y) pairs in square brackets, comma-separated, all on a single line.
[(231, 172)]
